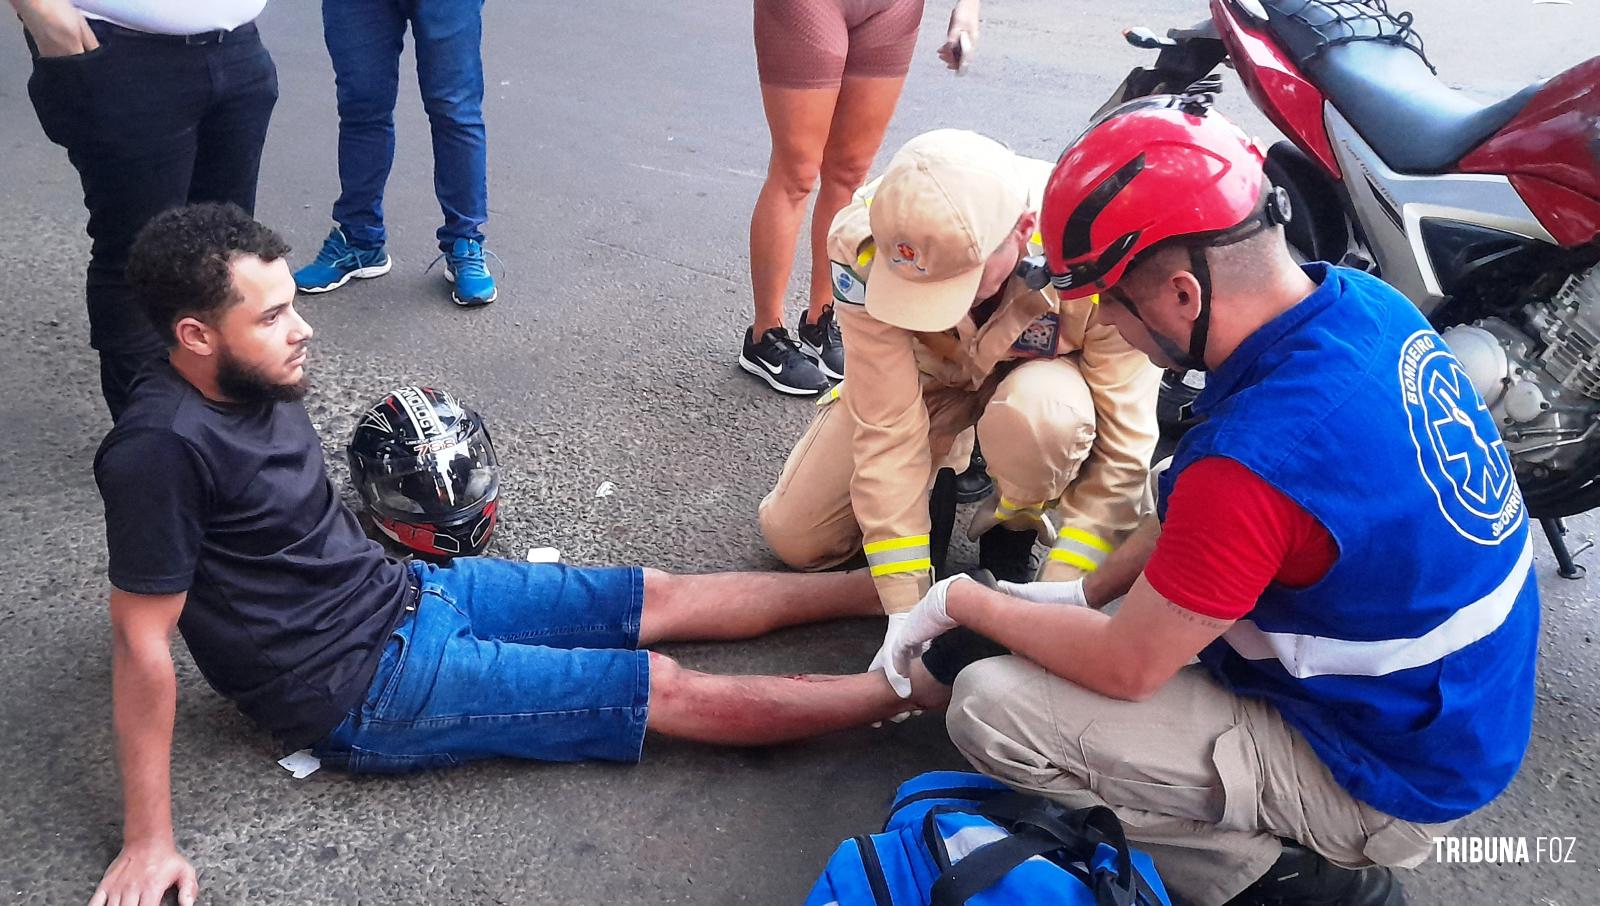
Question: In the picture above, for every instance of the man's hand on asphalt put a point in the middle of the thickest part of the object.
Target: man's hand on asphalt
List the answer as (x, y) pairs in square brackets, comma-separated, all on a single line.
[(58, 29), (924, 623), (963, 19), (1047, 592), (143, 873)]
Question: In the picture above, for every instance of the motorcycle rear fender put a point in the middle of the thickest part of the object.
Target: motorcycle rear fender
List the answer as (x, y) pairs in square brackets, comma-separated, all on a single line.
[(1551, 152)]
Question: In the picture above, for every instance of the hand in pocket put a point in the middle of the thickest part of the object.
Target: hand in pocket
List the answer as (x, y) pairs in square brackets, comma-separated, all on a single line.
[(59, 30)]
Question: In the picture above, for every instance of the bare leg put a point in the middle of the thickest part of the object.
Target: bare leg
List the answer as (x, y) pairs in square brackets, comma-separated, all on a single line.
[(762, 710), (798, 119), (860, 118), (725, 606)]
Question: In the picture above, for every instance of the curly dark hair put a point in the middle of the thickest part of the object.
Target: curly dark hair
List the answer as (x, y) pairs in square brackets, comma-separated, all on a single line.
[(178, 265)]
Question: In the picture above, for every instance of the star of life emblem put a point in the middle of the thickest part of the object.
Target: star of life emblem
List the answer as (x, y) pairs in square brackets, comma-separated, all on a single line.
[(1459, 449)]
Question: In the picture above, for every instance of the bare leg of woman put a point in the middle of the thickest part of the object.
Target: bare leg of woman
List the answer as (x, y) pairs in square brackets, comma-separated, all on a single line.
[(762, 710), (860, 119), (725, 606), (798, 119)]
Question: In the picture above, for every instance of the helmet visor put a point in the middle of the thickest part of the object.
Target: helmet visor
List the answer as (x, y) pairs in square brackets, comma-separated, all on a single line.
[(437, 484)]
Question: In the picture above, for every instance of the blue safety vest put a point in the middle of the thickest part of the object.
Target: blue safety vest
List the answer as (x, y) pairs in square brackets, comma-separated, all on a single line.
[(1410, 666)]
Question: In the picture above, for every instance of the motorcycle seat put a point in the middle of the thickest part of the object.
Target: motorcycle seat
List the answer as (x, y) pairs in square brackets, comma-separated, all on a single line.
[(1371, 67)]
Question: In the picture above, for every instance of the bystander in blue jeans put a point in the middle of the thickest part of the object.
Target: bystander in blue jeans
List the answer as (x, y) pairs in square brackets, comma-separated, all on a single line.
[(364, 38)]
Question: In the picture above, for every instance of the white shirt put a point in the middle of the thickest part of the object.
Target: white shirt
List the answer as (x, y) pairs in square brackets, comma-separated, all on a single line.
[(173, 17)]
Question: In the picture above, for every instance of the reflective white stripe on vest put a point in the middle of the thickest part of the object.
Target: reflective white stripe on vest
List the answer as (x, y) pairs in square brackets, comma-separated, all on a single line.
[(1309, 655)]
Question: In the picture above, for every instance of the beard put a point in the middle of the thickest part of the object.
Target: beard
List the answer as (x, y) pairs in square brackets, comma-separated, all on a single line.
[(245, 384)]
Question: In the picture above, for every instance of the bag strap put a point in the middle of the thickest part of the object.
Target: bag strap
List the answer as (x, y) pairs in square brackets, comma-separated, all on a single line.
[(1074, 832), (983, 868), (1093, 825)]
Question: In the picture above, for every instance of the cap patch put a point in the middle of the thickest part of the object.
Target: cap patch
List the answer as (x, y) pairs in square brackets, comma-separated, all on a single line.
[(906, 253)]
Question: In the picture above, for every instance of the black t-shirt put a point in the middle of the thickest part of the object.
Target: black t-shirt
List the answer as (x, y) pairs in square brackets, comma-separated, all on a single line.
[(289, 602)]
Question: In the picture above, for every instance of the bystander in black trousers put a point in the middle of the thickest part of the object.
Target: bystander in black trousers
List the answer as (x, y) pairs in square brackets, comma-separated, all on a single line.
[(151, 122)]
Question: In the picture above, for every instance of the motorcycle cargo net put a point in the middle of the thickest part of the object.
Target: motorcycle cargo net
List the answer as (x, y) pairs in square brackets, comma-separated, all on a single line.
[(1310, 27)]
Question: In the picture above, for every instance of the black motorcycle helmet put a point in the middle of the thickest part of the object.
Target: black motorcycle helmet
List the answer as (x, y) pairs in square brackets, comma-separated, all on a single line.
[(425, 468)]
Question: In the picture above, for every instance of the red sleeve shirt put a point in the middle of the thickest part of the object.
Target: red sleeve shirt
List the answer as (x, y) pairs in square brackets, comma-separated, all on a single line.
[(1228, 534)]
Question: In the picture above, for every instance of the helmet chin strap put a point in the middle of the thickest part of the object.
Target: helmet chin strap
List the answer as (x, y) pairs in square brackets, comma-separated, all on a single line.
[(1201, 332), (1193, 359)]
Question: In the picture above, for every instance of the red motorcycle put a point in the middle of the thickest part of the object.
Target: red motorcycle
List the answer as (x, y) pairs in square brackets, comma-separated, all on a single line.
[(1487, 216)]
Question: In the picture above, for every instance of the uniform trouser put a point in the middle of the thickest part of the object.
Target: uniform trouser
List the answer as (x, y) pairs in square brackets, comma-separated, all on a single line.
[(1206, 781), (1036, 425)]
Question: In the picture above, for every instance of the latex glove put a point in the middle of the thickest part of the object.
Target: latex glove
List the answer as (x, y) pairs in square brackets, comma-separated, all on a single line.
[(883, 661), (924, 623), (1047, 592)]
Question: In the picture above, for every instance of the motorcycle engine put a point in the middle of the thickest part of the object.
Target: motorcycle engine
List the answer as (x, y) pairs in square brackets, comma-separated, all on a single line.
[(1542, 383)]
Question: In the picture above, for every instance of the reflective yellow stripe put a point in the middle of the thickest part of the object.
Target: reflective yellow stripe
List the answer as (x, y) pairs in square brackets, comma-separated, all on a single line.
[(906, 566), (831, 395), (899, 555), (1094, 299), (1079, 548), (896, 544), (1073, 558), (1083, 537), (1008, 509), (1036, 238)]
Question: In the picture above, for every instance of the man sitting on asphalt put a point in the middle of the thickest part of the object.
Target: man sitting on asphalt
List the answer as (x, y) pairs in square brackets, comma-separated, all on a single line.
[(221, 521), (1341, 542)]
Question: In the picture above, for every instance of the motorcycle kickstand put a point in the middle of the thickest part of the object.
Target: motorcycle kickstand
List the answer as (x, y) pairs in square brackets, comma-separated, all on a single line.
[(1556, 531)]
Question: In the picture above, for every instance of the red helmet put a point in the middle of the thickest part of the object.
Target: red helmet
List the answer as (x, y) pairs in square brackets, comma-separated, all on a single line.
[(1151, 170)]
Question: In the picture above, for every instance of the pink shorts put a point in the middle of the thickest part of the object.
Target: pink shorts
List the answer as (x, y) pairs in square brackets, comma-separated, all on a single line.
[(816, 43)]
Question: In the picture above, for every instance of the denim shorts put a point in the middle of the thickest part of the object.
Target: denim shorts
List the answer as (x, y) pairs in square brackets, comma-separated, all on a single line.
[(503, 659)]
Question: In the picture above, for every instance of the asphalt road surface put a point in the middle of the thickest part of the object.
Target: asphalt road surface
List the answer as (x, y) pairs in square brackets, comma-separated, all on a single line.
[(626, 148)]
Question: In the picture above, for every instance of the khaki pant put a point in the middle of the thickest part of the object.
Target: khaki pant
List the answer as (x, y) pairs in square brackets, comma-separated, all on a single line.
[(1036, 426), (1204, 780)]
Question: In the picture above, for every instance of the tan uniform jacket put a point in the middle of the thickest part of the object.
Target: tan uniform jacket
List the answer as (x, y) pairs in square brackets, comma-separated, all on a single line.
[(890, 367)]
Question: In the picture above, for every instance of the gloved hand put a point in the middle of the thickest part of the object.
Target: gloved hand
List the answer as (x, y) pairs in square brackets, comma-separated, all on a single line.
[(883, 661), (924, 623), (1047, 592)]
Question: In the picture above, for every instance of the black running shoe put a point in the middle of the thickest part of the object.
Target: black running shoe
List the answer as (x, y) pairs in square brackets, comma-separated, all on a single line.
[(823, 344), (777, 359)]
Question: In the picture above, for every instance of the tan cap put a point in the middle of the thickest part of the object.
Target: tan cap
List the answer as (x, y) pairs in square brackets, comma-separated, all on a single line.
[(942, 208)]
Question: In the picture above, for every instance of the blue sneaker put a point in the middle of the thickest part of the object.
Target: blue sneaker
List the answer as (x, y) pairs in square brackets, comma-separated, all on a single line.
[(338, 262), (465, 268)]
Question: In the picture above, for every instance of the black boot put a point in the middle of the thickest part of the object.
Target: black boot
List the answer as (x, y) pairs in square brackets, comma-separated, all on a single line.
[(974, 484), (1301, 877), (1007, 553), (942, 517)]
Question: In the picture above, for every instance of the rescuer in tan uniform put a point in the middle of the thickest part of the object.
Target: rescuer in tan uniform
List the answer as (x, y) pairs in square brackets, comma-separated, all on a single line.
[(944, 329)]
